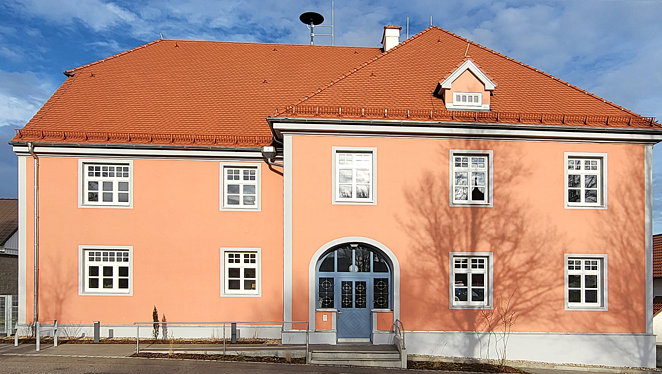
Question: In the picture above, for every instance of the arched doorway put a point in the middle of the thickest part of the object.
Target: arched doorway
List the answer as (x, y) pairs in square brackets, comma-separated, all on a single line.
[(354, 279)]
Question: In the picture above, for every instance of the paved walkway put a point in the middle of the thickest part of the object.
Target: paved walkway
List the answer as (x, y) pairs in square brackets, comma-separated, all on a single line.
[(124, 351)]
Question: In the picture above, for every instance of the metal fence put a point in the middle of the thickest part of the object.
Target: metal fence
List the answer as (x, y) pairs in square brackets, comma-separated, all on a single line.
[(8, 313)]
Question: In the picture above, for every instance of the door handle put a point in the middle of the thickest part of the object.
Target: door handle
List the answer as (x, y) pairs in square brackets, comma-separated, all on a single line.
[(339, 312)]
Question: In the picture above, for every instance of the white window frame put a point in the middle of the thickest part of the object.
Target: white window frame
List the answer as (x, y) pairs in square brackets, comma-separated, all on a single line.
[(602, 281), (83, 271), (223, 187), (336, 199), (477, 100), (602, 182), (488, 184), (225, 291), (488, 279), (83, 186)]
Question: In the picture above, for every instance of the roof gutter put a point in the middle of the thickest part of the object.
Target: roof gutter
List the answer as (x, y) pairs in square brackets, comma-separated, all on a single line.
[(35, 219)]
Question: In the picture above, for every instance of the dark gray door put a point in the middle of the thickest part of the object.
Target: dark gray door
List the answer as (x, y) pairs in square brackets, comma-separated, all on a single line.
[(353, 312)]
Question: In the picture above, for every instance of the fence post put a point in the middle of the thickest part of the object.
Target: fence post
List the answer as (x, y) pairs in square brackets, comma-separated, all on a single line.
[(137, 339), (233, 333), (37, 342), (55, 333), (97, 331), (224, 338), (16, 336)]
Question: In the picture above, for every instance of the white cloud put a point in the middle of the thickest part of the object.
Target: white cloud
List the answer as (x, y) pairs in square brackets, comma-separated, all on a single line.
[(95, 14), (21, 95)]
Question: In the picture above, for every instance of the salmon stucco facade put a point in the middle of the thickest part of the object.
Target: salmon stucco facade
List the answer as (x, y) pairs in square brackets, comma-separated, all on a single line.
[(435, 185)]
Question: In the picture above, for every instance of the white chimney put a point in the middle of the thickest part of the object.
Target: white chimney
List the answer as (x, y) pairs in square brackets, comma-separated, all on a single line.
[(391, 37)]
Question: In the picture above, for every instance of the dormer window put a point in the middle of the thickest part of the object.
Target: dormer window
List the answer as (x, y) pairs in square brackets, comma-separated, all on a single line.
[(467, 88), (468, 99)]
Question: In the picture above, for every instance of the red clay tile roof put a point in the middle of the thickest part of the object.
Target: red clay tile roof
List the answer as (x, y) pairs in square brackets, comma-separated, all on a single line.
[(657, 256), (218, 93), (8, 218), (657, 304), (403, 79), (187, 92)]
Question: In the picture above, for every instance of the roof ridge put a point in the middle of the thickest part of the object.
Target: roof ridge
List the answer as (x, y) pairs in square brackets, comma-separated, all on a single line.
[(360, 67), (536, 70), (265, 44), (114, 56)]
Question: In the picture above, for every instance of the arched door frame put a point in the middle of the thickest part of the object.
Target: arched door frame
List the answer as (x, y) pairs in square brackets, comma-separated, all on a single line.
[(312, 270)]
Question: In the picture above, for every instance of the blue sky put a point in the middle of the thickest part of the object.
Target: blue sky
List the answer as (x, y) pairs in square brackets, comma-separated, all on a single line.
[(611, 48)]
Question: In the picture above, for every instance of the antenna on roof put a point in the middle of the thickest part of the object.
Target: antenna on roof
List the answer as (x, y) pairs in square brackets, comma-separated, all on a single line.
[(467, 51), (160, 36), (313, 19), (407, 27)]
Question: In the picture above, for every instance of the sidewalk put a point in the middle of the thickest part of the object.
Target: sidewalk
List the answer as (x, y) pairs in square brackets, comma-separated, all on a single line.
[(101, 350)]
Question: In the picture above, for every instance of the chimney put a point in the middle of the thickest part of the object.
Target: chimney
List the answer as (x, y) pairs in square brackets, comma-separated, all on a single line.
[(391, 37)]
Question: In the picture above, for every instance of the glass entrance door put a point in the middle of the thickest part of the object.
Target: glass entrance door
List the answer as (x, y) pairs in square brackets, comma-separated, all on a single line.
[(354, 279)]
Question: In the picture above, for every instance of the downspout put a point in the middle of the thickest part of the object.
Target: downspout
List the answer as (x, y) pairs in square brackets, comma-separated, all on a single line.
[(36, 233)]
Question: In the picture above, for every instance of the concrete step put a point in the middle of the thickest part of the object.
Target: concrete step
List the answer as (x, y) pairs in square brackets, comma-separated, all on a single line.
[(370, 363), (354, 355)]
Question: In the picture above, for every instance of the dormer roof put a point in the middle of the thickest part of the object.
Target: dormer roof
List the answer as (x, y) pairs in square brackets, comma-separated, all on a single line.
[(468, 65)]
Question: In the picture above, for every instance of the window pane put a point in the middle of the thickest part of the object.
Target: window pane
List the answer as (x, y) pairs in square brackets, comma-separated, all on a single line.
[(107, 282), (233, 188), (573, 196), (362, 176), (574, 281), (328, 262), (249, 189), (478, 280), (234, 284), (123, 186), (123, 197), (326, 293), (123, 271), (93, 186), (460, 294), (93, 283), (92, 196), (591, 296), (477, 294), (591, 281), (249, 200), (345, 190), (360, 294), (478, 179), (363, 191), (478, 194), (93, 271), (344, 259), (380, 292), (574, 180), (362, 259), (591, 181), (345, 176), (233, 199), (346, 292), (591, 196), (108, 197), (249, 284), (460, 279), (123, 283), (461, 179), (107, 271), (234, 273), (107, 186), (461, 193), (379, 264), (249, 273), (574, 296)]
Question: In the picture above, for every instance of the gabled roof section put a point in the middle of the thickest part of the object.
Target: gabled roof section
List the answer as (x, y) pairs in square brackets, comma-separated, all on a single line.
[(469, 65), (8, 219), (657, 256), (399, 85), (187, 93)]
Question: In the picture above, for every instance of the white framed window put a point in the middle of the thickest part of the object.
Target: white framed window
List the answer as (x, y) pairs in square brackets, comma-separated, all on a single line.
[(470, 178), (106, 270), (470, 280), (586, 282), (240, 272), (105, 183), (470, 99), (354, 175), (586, 180), (240, 186)]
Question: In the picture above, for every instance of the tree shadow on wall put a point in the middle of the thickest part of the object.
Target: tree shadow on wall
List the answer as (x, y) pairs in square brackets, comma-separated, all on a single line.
[(516, 235)]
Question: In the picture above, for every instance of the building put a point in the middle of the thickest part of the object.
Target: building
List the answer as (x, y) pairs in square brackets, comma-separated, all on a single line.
[(433, 182), (8, 264)]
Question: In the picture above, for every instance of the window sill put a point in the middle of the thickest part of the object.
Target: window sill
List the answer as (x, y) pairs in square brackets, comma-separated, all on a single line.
[(603, 207), (478, 307), (105, 294), (342, 202), (477, 205), (106, 206), (585, 309), (224, 294), (223, 209)]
